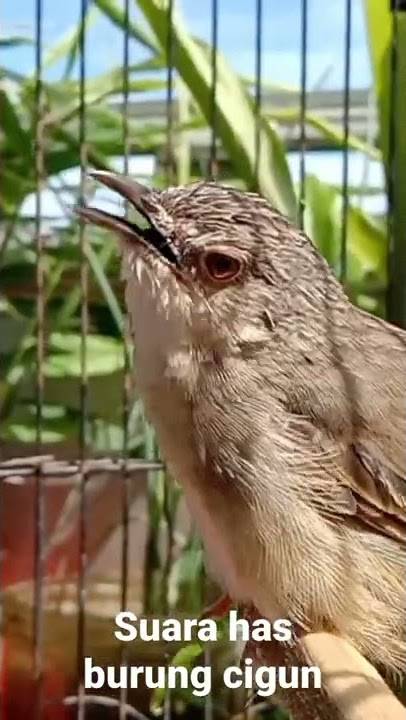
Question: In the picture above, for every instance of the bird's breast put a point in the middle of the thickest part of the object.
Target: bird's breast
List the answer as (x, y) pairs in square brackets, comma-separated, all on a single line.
[(169, 409), (167, 374)]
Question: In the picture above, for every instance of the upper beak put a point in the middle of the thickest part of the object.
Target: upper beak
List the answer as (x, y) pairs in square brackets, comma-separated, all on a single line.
[(137, 195)]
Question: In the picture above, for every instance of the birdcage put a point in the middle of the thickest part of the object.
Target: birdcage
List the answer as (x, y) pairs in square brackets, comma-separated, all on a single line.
[(169, 92)]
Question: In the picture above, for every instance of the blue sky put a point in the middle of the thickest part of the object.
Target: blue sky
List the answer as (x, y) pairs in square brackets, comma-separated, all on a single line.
[(281, 36), (236, 31)]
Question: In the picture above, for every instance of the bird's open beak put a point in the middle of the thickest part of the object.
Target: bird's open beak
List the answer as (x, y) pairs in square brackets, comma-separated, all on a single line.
[(137, 196)]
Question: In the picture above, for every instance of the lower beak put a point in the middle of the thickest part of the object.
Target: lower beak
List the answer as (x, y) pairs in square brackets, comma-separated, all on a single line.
[(109, 222), (137, 196)]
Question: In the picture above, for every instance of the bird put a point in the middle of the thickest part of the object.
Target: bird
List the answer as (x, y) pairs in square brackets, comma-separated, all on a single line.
[(279, 408)]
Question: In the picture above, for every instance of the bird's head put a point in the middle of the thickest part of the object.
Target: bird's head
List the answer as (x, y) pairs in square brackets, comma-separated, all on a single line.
[(210, 262)]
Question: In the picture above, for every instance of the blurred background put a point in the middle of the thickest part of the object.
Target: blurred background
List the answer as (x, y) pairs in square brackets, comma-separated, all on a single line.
[(303, 101)]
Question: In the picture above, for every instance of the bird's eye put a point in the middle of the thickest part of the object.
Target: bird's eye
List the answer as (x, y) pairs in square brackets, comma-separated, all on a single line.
[(221, 267)]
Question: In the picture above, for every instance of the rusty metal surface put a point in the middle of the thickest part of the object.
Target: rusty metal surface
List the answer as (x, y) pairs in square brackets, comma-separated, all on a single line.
[(56, 472)]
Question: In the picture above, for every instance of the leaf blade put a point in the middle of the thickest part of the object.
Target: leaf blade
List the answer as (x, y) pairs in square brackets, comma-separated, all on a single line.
[(236, 122)]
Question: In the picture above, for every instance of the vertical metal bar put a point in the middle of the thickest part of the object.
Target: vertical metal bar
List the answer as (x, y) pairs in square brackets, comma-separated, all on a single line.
[(208, 705), (212, 168), (213, 162), (346, 127), (303, 111), (39, 489), (396, 172), (170, 177), (167, 709), (84, 327), (126, 398), (391, 158), (169, 97), (258, 88), (39, 173), (213, 165)]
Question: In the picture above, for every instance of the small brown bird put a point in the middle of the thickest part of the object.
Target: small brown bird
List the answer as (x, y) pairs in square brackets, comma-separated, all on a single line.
[(280, 409)]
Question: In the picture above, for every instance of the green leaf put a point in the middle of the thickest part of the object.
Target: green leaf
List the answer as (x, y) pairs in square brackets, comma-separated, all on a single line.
[(16, 136), (72, 301), (183, 146), (115, 13), (56, 425), (366, 239), (67, 47), (185, 657), (379, 22), (328, 130), (367, 248), (236, 121), (13, 189), (15, 41), (96, 90), (23, 359), (188, 576), (387, 29), (189, 564), (12, 75), (69, 157), (105, 287), (17, 274), (103, 355), (106, 437), (319, 217), (251, 82)]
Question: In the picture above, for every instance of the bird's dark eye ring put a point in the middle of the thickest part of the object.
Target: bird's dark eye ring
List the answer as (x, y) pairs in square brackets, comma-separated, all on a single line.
[(221, 267)]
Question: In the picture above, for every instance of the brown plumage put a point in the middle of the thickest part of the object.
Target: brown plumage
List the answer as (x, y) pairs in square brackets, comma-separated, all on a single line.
[(279, 407)]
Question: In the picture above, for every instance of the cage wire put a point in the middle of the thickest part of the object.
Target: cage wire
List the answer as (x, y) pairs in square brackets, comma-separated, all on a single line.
[(396, 297), (49, 472)]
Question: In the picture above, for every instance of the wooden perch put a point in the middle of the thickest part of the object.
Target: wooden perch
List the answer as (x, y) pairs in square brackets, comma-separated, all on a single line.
[(355, 686), (351, 689)]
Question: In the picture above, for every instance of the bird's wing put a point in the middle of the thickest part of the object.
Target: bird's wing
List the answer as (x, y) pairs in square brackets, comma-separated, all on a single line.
[(363, 434), (379, 492), (350, 480), (376, 455)]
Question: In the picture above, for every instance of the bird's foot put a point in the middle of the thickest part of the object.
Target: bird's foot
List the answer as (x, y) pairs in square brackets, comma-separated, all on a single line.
[(269, 652)]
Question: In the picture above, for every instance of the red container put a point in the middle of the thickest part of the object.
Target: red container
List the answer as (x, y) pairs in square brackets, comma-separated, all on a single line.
[(61, 563)]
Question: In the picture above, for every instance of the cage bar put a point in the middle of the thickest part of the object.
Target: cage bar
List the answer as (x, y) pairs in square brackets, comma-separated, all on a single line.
[(123, 704), (303, 109), (258, 87), (213, 166), (84, 330), (396, 173), (39, 509), (170, 158), (346, 128)]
